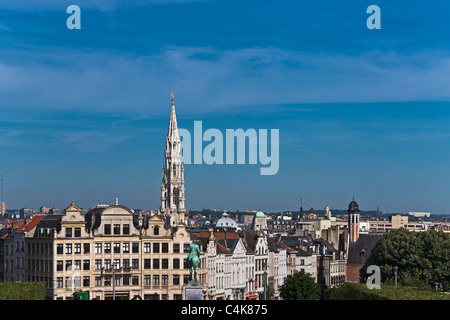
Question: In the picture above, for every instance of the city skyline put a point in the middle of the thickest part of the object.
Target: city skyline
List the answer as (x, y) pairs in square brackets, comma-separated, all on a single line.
[(84, 113)]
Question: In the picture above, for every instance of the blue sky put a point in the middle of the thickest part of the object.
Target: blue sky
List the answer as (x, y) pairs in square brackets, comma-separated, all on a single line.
[(84, 113)]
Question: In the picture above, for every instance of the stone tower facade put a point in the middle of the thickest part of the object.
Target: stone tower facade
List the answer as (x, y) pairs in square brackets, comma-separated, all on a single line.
[(172, 186), (353, 220)]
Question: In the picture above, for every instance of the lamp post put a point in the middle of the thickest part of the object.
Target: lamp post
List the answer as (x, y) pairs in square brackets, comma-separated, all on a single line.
[(395, 275)]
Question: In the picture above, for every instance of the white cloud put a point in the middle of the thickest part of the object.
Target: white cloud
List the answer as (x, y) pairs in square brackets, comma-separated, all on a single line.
[(206, 79)]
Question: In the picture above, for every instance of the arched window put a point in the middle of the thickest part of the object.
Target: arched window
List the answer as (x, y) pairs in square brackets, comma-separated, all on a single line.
[(156, 231)]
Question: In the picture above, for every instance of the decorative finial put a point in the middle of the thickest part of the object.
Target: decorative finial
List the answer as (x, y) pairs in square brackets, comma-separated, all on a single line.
[(172, 96), (117, 201), (353, 196)]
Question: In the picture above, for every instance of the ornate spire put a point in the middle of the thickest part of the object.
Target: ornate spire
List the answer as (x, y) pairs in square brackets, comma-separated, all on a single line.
[(172, 189), (173, 128)]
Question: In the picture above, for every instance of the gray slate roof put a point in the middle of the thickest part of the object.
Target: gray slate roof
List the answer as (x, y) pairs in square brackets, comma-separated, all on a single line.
[(360, 250)]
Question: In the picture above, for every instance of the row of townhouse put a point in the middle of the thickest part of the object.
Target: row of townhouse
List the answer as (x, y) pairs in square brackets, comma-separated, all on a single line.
[(113, 253), (318, 257), (109, 252)]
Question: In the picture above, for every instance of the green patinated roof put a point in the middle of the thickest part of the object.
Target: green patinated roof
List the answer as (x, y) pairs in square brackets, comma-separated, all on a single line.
[(260, 214)]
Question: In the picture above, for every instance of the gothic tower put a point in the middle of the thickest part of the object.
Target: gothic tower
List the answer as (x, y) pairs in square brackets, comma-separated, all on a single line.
[(353, 220), (172, 187)]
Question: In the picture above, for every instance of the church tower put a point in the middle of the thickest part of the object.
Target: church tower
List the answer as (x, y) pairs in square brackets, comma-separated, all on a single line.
[(353, 220), (172, 187)]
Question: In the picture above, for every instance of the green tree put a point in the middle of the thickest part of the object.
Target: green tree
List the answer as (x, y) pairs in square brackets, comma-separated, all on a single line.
[(22, 291), (300, 286), (412, 253)]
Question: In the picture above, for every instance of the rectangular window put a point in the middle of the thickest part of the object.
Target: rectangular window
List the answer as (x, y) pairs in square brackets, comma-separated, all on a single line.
[(98, 247), (107, 264), (86, 281), (165, 263), (147, 264), (68, 232), (164, 247), (107, 247), (86, 264), (135, 264), (126, 280), (155, 247), (98, 281), (68, 265), (147, 280), (116, 264), (77, 265), (59, 248), (117, 280), (98, 264), (176, 279), (147, 247), (59, 282), (165, 280), (176, 263), (126, 263), (126, 247), (68, 248), (77, 248), (77, 281), (135, 280), (186, 247), (59, 265), (86, 248), (107, 281), (107, 229), (126, 229), (68, 282), (116, 247), (135, 247), (155, 263), (117, 229), (176, 248), (156, 280), (77, 232)]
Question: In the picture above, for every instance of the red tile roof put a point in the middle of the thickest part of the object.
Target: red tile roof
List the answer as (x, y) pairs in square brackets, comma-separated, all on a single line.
[(30, 225)]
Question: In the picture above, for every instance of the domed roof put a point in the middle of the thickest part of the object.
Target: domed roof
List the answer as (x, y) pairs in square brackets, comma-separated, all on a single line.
[(260, 214), (226, 222), (353, 207)]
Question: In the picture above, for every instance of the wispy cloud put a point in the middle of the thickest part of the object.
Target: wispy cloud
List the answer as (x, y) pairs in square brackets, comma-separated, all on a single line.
[(92, 140), (206, 78), (8, 138)]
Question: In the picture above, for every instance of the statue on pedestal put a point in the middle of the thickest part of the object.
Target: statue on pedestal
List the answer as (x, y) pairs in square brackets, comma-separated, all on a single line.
[(193, 261)]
